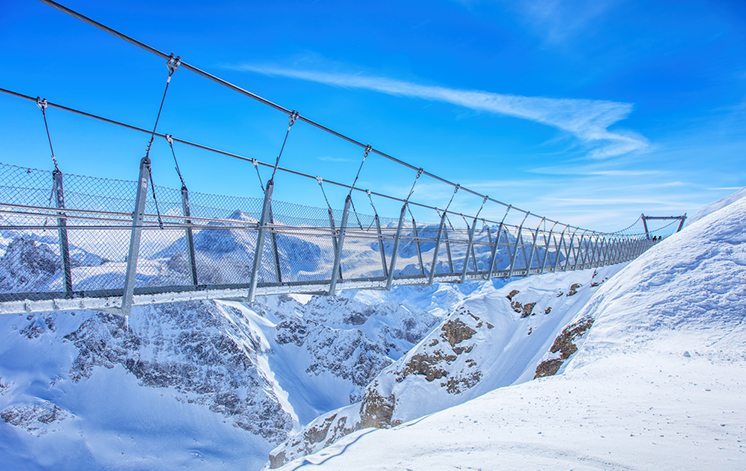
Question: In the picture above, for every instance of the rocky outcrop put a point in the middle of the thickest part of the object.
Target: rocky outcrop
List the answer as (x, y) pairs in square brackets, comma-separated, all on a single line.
[(337, 337), (563, 347), (36, 418), (206, 358), (442, 358)]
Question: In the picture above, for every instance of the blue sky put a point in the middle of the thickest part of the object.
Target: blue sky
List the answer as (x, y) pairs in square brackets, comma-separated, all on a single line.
[(587, 111)]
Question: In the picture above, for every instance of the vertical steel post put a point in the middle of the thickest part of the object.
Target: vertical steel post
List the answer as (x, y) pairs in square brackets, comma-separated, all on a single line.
[(594, 251), (496, 246), (579, 253), (275, 249), (588, 259), (448, 250), (468, 250), (546, 248), (604, 252), (397, 239), (381, 248), (130, 277), (616, 250), (611, 255), (59, 193), (515, 247), (533, 245), (337, 266), (434, 264), (333, 229), (417, 245), (259, 249), (569, 248), (557, 250), (681, 224), (645, 225), (189, 235)]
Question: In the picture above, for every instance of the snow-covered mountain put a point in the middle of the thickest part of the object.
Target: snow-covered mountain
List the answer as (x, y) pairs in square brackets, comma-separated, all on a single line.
[(494, 338), (650, 375)]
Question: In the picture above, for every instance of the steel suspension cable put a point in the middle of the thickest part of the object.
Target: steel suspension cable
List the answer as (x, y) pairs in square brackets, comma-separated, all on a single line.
[(323, 192), (291, 121), (170, 140), (354, 181), (172, 64), (255, 163), (42, 104)]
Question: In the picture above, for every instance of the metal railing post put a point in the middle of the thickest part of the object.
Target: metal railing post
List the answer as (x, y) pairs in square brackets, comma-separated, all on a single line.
[(259, 249), (681, 224), (546, 248), (59, 193), (496, 246), (623, 248), (418, 246), (579, 254), (493, 254), (588, 260), (275, 249), (332, 228), (448, 251), (337, 266), (557, 249), (130, 277), (594, 251), (515, 247), (397, 239), (189, 234), (472, 229), (645, 225), (569, 248), (533, 246), (434, 264), (381, 248)]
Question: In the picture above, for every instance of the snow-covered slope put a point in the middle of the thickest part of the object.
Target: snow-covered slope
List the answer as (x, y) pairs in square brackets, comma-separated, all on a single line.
[(494, 338), (656, 383)]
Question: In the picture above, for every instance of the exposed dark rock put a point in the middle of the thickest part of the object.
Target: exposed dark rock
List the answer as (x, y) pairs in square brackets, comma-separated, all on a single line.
[(528, 309), (427, 365), (574, 289), (456, 331), (34, 418), (548, 368), (564, 346), (376, 410), (512, 294), (458, 384), (548, 310)]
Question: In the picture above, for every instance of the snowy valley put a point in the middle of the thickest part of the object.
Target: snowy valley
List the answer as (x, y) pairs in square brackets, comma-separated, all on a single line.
[(644, 364)]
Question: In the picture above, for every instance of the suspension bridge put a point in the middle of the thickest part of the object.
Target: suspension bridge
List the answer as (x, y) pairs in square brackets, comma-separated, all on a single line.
[(72, 242)]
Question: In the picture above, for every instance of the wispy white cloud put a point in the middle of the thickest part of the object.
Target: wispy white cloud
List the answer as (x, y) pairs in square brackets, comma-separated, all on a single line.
[(559, 21), (589, 171), (587, 120)]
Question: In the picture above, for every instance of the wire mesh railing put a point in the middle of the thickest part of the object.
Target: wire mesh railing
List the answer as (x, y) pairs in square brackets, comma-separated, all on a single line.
[(96, 224)]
